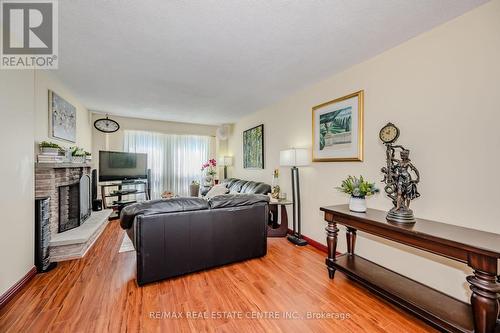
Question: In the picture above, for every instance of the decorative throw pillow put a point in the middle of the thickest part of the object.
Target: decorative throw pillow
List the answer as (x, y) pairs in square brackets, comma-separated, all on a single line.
[(217, 190)]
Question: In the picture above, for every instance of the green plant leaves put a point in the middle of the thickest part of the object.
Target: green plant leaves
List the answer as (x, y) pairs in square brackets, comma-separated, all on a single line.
[(46, 144), (357, 187)]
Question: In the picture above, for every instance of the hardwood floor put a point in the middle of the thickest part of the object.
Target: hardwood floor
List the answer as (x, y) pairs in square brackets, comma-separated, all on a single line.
[(98, 294)]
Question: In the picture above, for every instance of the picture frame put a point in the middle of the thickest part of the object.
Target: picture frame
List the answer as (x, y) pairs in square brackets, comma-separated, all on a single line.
[(62, 118), (337, 129), (253, 147)]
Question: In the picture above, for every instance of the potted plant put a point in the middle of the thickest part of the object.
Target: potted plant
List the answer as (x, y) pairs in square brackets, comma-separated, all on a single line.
[(210, 171), (194, 188), (49, 148), (77, 155), (359, 189), (88, 156)]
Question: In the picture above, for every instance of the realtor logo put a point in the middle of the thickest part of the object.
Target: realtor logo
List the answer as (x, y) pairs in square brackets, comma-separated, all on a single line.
[(29, 34)]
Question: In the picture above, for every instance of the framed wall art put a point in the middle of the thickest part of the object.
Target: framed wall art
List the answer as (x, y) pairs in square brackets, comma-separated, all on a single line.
[(337, 130), (62, 118), (253, 148)]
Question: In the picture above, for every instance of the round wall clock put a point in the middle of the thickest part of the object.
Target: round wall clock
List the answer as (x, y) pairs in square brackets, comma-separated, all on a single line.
[(106, 125), (389, 133)]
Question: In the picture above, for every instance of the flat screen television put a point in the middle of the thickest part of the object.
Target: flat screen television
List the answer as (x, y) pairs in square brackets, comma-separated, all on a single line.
[(115, 165)]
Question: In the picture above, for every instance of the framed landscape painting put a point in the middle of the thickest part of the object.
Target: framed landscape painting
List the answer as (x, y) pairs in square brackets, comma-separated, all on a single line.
[(253, 148), (338, 129), (62, 118)]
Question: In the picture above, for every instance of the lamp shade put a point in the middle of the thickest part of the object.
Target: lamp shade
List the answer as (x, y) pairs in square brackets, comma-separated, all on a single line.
[(225, 160), (228, 160), (294, 157)]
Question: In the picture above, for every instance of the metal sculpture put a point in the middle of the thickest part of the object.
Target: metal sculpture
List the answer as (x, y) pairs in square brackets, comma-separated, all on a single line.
[(400, 176)]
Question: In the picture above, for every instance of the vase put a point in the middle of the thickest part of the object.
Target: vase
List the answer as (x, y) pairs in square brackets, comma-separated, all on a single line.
[(357, 204), (209, 180), (194, 190)]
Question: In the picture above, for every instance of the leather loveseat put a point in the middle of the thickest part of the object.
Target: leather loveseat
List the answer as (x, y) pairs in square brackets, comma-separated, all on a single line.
[(182, 235)]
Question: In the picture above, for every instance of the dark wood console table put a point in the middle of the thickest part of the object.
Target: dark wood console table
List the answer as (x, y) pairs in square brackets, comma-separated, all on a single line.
[(479, 250)]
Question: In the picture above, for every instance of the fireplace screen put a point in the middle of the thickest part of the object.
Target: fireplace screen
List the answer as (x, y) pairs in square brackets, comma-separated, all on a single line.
[(85, 202), (74, 204)]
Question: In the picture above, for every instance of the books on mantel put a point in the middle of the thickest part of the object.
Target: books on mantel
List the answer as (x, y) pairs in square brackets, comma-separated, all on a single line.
[(45, 158)]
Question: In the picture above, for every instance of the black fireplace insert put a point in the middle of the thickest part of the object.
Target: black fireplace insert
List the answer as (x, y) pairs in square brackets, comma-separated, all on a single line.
[(74, 204)]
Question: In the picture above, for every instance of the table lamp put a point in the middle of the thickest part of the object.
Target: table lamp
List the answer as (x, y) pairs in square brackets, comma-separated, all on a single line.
[(226, 161), (294, 158)]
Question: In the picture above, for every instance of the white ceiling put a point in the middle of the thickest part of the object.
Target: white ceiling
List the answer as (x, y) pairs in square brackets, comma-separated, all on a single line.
[(213, 61)]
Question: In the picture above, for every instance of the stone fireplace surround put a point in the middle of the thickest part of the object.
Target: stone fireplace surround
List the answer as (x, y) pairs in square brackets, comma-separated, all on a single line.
[(48, 179), (73, 243)]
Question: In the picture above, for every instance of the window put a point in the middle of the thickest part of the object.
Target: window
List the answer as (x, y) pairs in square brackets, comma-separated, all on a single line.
[(174, 160)]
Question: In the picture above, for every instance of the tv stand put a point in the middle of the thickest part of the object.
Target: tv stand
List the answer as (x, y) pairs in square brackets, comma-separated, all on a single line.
[(141, 187), (130, 181)]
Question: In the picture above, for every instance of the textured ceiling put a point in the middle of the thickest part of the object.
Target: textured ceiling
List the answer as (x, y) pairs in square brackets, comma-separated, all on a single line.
[(213, 61)]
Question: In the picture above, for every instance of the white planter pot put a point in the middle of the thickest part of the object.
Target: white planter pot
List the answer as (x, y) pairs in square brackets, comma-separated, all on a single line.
[(50, 151), (78, 159), (357, 205)]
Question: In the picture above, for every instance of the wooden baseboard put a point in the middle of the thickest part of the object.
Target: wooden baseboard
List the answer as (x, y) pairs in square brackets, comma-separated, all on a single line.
[(12, 291), (313, 243)]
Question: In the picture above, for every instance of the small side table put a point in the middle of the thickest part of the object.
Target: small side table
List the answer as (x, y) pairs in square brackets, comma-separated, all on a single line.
[(273, 228)]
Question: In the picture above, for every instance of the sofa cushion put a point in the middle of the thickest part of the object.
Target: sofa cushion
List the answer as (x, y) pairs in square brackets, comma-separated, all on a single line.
[(229, 182), (235, 200), (245, 186), (217, 190), (255, 188), (153, 207), (237, 185)]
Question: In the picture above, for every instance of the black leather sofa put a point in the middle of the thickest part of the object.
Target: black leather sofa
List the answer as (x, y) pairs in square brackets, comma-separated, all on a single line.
[(183, 235)]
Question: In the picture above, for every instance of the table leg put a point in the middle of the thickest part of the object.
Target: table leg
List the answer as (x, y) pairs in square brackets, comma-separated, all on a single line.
[(273, 209), (351, 240), (331, 240), (485, 293), (284, 218)]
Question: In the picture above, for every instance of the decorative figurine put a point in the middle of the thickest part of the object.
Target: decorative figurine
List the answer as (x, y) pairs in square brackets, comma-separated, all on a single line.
[(400, 176), (275, 188)]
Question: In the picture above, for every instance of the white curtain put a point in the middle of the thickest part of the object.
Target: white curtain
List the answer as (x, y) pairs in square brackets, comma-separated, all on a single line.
[(175, 160)]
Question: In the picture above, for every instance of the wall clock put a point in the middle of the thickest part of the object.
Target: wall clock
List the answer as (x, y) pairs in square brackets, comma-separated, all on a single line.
[(106, 125)]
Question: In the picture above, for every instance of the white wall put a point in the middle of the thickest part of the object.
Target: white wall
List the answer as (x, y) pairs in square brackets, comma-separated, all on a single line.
[(45, 81), (17, 170), (442, 90), (114, 141), (23, 123)]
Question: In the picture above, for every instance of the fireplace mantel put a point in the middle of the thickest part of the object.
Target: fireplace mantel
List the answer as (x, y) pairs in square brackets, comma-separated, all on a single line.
[(61, 165)]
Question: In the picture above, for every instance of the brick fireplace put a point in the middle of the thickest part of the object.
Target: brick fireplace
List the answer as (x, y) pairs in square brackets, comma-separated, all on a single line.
[(55, 181), (63, 182)]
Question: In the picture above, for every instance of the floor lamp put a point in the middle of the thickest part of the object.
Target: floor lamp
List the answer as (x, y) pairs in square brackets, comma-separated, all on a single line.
[(294, 158)]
